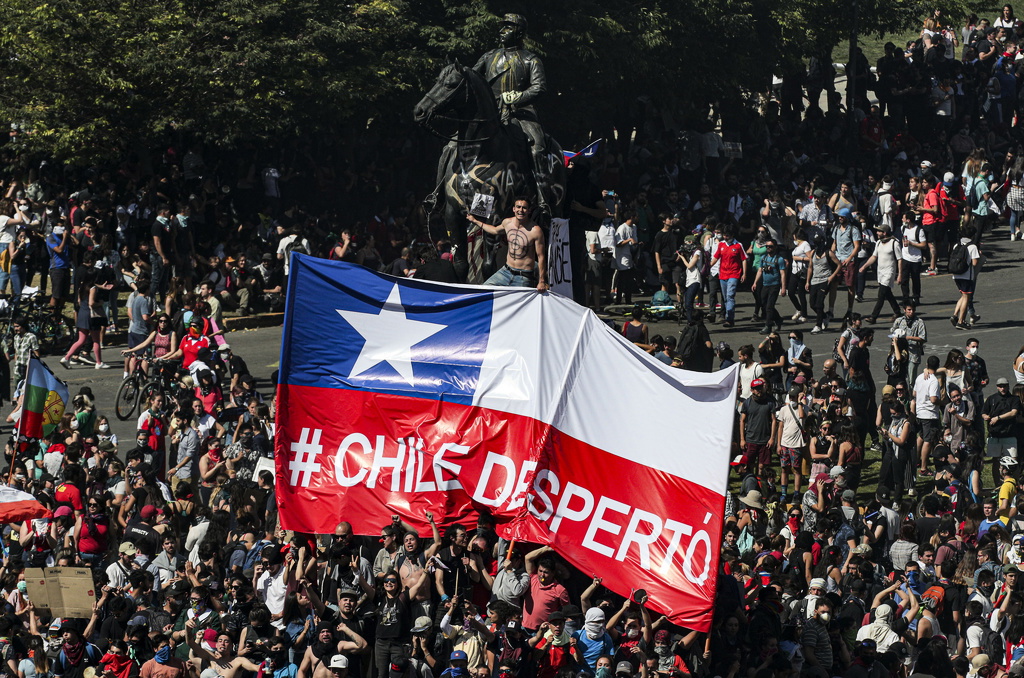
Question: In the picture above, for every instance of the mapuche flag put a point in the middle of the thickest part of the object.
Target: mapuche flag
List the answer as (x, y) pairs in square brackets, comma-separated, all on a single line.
[(43, 401)]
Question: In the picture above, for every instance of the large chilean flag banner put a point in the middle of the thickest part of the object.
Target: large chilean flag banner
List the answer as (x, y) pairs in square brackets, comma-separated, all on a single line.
[(398, 396)]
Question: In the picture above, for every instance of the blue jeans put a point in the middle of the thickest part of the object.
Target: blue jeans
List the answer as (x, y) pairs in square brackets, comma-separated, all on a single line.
[(729, 286), (1015, 221), (17, 279), (512, 277), (688, 298)]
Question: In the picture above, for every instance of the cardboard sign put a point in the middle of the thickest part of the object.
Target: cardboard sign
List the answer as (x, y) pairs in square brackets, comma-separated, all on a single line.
[(66, 591), (559, 260), (482, 206)]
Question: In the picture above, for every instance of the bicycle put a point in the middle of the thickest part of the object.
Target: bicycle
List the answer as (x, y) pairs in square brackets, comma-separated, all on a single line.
[(129, 392)]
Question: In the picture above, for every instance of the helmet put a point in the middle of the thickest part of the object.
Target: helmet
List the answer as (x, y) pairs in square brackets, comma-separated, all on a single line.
[(1008, 461), (517, 20)]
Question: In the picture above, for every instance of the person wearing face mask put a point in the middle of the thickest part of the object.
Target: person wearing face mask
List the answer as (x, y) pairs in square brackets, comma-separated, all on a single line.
[(592, 640), (163, 250), (985, 587), (823, 268), (817, 646), (59, 246), (889, 260), (163, 664), (732, 272), (76, 654)]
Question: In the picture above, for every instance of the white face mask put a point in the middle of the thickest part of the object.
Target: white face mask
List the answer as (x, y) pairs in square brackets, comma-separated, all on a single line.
[(972, 350), (74, 424), (824, 617), (632, 633), (23, 208), (104, 428)]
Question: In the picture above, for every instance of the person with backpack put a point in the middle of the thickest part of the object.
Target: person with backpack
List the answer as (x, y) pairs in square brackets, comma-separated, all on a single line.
[(964, 264), (292, 242), (846, 244), (76, 654)]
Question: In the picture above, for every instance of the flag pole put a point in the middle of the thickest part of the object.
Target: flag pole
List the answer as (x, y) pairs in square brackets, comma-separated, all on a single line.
[(21, 420)]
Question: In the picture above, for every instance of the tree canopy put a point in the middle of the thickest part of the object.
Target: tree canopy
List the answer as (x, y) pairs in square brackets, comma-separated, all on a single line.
[(85, 79)]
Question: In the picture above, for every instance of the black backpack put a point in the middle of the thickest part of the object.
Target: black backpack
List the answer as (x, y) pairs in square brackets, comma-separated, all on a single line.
[(991, 641), (959, 259)]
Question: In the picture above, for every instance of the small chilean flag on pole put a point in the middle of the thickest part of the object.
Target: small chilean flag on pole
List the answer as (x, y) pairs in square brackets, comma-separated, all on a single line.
[(588, 152), (44, 399), (16, 506)]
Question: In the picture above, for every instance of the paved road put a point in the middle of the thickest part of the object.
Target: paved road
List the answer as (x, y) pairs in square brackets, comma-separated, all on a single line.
[(259, 348), (999, 301)]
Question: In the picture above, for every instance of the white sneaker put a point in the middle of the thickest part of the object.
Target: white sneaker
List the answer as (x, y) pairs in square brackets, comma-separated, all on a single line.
[(816, 330), (124, 376), (802, 319), (66, 363), (795, 316), (101, 366)]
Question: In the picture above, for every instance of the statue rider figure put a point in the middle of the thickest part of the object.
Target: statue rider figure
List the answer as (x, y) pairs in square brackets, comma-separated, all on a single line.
[(517, 79)]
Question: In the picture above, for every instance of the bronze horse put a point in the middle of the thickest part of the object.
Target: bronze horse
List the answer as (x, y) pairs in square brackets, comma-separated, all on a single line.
[(483, 157)]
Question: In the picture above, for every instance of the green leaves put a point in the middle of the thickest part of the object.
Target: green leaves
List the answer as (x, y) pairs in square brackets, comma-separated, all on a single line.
[(87, 79)]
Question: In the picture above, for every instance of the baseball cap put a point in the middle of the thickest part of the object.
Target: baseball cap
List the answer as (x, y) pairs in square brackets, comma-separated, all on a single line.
[(422, 624), (849, 495), (339, 661), (147, 512), (623, 669), (556, 616), (128, 547), (756, 383), (948, 178), (845, 212), (979, 661), (1007, 569), (823, 478), (350, 593), (398, 667), (926, 163), (836, 471), (1002, 381), (62, 511), (458, 655), (888, 389)]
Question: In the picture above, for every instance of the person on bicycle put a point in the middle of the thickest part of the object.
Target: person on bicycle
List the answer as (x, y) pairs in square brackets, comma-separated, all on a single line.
[(190, 344), (157, 345)]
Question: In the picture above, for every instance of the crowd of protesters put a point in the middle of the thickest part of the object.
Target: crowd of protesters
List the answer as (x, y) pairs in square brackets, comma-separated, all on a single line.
[(822, 572)]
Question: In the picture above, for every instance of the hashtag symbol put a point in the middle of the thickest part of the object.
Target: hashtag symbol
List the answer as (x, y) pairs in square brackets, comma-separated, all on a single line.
[(304, 462)]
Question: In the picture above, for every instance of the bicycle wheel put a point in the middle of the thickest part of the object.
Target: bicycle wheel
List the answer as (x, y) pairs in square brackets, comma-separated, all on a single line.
[(151, 388), (127, 398)]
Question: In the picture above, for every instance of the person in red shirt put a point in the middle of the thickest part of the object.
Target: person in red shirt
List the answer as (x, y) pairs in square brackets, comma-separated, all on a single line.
[(732, 271), (68, 493), (545, 595), (953, 201), (551, 646), (932, 217), (193, 342)]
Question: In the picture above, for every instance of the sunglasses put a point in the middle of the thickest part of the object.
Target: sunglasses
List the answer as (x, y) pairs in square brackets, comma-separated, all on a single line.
[(390, 581)]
